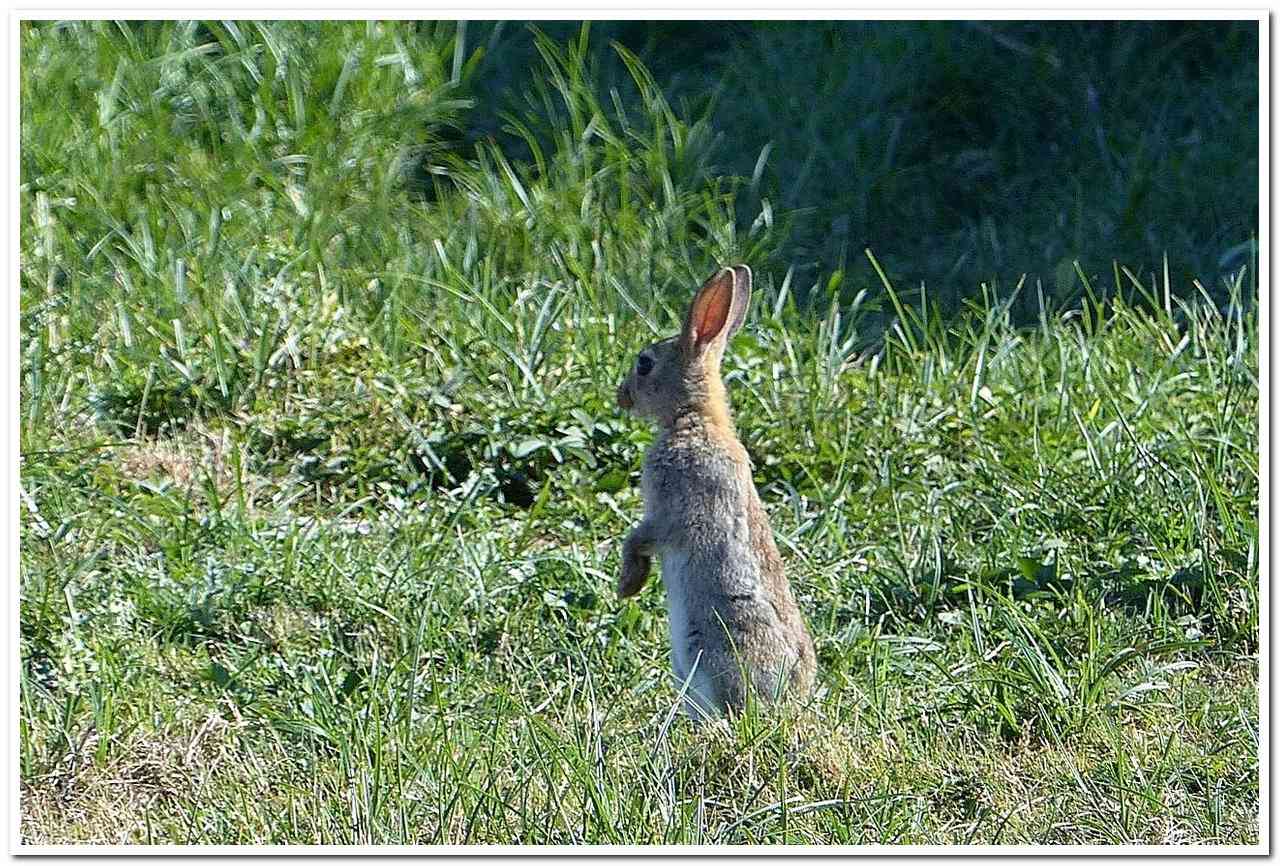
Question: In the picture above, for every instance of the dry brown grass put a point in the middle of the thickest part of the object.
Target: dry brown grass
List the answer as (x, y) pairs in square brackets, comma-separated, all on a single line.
[(187, 461), (84, 800)]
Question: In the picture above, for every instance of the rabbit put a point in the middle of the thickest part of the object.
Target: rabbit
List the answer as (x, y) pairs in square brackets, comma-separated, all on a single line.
[(734, 623)]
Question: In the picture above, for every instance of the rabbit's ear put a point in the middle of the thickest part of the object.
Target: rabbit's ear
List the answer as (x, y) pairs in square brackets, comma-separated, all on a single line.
[(709, 314), (741, 298)]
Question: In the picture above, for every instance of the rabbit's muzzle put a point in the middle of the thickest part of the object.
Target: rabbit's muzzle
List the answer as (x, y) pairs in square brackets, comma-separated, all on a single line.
[(625, 400)]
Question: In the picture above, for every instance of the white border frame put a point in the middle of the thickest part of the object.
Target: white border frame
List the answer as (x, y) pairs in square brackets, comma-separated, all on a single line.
[(608, 10)]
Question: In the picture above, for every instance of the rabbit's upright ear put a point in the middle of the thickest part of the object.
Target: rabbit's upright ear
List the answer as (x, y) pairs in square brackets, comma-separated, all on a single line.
[(710, 313), (741, 298)]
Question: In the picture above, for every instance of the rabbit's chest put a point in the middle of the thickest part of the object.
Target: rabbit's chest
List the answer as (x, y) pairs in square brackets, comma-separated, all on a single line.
[(677, 581), (690, 487)]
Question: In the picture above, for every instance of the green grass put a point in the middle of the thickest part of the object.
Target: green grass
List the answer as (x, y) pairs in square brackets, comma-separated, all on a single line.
[(323, 487), (962, 152)]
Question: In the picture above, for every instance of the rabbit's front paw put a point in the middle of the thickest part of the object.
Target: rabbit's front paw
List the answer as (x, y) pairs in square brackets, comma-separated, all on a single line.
[(635, 571)]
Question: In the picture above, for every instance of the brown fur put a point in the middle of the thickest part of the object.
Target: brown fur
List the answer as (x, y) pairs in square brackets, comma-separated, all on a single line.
[(732, 609)]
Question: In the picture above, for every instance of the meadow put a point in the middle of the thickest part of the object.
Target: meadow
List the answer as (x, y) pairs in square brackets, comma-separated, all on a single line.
[(323, 486)]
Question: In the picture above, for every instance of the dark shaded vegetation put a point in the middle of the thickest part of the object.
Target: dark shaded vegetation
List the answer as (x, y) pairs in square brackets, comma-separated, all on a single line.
[(960, 152)]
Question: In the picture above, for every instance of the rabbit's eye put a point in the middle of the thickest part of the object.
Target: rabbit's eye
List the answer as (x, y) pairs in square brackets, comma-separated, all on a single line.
[(643, 365)]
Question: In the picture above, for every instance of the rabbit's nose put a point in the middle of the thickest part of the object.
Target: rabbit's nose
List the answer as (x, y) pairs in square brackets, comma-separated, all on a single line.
[(624, 396)]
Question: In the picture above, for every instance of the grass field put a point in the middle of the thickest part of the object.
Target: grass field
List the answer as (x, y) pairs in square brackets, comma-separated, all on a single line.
[(323, 486)]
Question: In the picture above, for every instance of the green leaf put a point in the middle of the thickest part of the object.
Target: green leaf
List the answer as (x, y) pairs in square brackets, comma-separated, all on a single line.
[(526, 446), (611, 481), (219, 674)]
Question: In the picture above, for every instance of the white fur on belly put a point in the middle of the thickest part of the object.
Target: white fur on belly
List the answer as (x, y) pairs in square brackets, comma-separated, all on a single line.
[(675, 578), (699, 694)]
